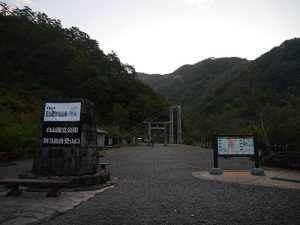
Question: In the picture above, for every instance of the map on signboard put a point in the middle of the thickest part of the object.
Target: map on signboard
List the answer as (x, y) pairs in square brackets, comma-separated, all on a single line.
[(235, 146)]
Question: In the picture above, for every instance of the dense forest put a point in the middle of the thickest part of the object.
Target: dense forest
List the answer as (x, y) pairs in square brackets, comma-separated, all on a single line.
[(231, 95), (39, 60)]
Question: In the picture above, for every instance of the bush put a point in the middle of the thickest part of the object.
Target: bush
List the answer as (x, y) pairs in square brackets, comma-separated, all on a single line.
[(18, 138), (287, 160)]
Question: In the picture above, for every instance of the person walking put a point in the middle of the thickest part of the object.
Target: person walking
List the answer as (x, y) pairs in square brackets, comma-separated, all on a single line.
[(151, 142)]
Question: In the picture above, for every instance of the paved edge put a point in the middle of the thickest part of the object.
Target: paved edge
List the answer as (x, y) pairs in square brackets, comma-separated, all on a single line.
[(72, 200), (265, 181)]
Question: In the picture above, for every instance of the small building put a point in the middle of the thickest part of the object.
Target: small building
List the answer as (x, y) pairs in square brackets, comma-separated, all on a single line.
[(113, 141), (101, 139)]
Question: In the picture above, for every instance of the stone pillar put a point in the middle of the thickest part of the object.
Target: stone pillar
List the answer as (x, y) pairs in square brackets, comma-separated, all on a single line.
[(171, 132), (68, 139), (165, 135), (179, 137), (149, 131)]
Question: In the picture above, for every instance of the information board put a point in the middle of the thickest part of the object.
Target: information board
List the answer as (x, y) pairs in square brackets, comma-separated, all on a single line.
[(235, 145)]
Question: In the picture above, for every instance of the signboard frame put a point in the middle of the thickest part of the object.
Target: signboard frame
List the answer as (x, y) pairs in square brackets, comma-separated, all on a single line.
[(61, 132), (216, 136), (65, 112), (237, 137)]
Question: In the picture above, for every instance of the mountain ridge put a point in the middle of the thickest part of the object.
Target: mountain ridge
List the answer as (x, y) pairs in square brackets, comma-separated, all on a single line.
[(198, 76)]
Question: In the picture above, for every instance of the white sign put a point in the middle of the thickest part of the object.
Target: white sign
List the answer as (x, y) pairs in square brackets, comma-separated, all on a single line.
[(62, 111)]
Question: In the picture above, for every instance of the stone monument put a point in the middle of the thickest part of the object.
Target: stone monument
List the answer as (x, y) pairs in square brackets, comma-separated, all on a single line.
[(68, 142)]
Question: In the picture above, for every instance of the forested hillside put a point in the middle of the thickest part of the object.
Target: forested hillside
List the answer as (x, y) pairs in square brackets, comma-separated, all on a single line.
[(234, 95), (191, 84), (39, 59)]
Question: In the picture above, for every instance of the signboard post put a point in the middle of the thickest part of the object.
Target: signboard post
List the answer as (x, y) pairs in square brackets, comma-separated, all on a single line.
[(235, 145)]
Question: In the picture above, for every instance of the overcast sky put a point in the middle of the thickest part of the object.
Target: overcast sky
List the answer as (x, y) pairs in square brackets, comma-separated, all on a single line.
[(158, 36)]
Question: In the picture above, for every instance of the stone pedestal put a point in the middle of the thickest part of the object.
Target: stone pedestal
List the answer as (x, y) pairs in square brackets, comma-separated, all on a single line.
[(67, 145), (216, 171), (258, 172)]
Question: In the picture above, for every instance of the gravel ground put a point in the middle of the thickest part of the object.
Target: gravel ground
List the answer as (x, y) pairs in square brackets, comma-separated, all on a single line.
[(156, 186)]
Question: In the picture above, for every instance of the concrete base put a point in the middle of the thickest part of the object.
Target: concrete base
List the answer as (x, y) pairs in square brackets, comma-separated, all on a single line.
[(258, 172), (216, 171)]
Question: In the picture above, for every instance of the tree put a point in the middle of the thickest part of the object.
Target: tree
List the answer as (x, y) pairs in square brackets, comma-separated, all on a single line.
[(120, 116)]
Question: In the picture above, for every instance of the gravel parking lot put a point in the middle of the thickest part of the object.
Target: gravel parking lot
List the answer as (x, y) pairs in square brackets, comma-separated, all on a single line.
[(156, 186)]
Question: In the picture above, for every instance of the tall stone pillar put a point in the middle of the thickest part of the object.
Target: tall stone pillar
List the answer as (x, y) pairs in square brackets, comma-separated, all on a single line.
[(179, 135), (149, 131), (171, 132), (165, 135)]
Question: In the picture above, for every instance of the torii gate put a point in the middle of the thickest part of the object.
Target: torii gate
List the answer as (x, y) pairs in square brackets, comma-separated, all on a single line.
[(163, 126), (158, 126)]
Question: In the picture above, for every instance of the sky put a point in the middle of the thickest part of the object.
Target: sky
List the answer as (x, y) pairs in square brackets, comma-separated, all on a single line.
[(159, 36)]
